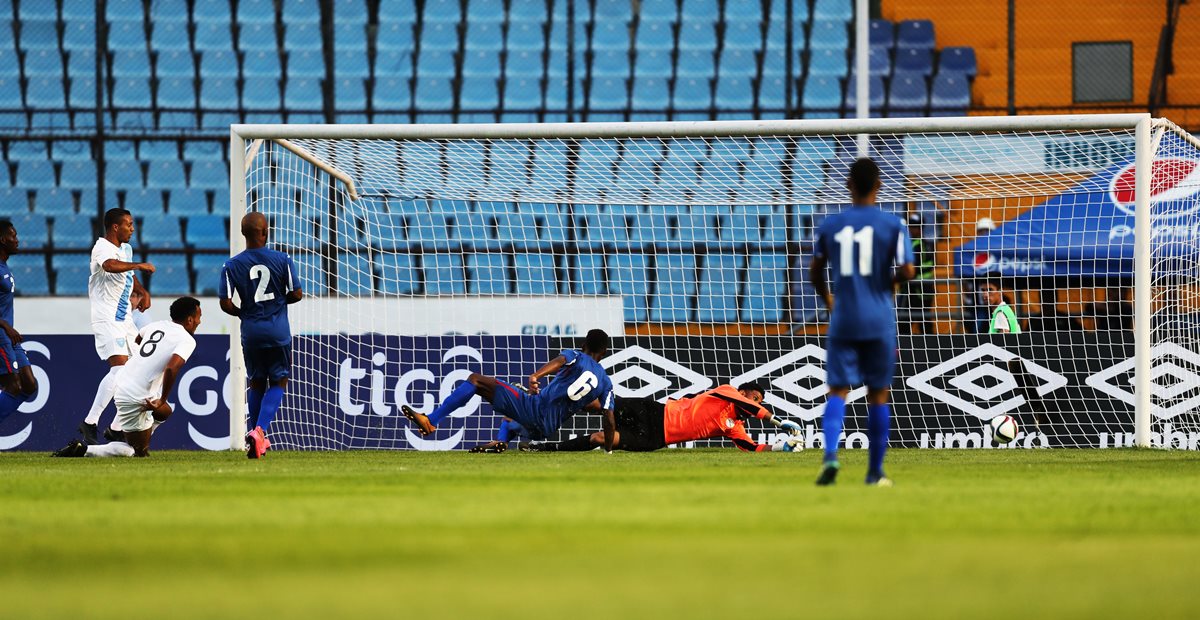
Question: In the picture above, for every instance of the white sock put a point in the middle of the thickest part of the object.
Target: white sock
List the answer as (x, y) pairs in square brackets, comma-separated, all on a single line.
[(116, 448), (104, 394)]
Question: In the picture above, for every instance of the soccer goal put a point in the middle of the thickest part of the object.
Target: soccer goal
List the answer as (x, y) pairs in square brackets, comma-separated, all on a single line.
[(431, 251)]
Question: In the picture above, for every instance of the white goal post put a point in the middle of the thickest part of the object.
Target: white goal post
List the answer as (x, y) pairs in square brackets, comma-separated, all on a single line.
[(344, 196)]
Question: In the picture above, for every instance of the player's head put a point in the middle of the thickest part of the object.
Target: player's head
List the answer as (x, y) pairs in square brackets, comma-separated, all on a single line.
[(118, 222), (8, 238), (186, 312), (753, 391), (863, 181), (254, 229), (595, 343)]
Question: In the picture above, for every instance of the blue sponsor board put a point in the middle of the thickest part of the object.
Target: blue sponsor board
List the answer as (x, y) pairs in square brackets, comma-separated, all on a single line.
[(346, 391)]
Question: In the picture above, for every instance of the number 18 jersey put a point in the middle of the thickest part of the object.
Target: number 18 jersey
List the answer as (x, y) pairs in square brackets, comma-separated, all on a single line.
[(861, 244), (262, 278)]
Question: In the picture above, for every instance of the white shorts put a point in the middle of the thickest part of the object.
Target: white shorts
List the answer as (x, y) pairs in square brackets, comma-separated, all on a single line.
[(114, 338), (133, 416)]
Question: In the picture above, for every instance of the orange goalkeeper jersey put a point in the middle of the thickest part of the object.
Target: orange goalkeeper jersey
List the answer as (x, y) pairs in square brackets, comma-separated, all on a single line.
[(712, 414)]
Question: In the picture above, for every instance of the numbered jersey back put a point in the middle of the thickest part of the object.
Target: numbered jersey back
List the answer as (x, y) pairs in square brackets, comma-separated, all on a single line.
[(579, 382), (861, 245), (262, 278), (141, 378)]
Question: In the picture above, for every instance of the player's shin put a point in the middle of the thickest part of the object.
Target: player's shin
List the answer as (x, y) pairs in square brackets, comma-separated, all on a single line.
[(831, 425), (254, 400), (8, 404), (879, 419), (457, 399), (104, 394), (116, 448), (270, 406)]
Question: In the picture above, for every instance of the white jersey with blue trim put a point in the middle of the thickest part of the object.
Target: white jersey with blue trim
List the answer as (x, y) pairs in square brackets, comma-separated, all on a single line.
[(109, 292)]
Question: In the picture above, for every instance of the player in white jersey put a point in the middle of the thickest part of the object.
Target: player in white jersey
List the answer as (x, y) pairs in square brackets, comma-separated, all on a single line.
[(161, 349), (110, 285)]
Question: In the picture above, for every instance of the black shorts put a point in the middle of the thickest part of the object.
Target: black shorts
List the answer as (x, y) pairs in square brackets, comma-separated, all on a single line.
[(640, 422)]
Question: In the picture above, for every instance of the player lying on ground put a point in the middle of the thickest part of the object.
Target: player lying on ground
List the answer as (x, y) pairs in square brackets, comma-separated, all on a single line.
[(860, 245), (143, 387), (265, 281), (17, 383), (580, 383), (644, 424)]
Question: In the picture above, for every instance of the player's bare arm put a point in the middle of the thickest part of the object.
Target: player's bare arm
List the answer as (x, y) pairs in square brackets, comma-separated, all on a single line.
[(608, 421), (228, 307), (169, 375), (816, 275), (549, 368), (143, 303), (904, 273), (10, 331), (113, 265), (294, 296)]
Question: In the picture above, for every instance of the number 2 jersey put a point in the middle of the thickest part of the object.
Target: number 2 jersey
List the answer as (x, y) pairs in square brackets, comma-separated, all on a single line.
[(262, 278), (142, 375), (861, 245)]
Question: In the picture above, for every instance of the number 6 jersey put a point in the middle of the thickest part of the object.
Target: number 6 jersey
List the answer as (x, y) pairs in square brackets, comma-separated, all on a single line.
[(142, 376), (262, 278)]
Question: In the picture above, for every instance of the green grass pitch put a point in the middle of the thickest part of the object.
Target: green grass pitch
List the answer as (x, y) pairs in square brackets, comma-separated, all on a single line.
[(688, 534)]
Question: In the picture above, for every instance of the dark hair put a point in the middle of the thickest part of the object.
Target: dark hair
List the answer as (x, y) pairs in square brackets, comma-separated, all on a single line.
[(753, 386), (864, 176), (596, 341), (5, 226), (184, 307), (113, 216)]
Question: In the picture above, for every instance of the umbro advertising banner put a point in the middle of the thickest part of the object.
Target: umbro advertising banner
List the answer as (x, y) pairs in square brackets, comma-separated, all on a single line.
[(1066, 389)]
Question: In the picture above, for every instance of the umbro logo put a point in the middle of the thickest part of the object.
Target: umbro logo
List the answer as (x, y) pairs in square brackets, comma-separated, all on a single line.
[(1174, 379), (637, 372), (980, 383), (799, 374)]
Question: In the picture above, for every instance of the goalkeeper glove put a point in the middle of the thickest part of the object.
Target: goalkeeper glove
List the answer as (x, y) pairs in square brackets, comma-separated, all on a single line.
[(790, 427), (788, 444)]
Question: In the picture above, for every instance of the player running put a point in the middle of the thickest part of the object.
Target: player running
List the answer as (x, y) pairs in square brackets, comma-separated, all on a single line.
[(860, 245), (17, 383), (644, 425), (161, 349), (580, 384), (109, 287), (265, 281)]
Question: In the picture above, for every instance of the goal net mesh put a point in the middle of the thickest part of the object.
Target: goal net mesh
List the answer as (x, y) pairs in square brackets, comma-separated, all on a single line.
[(448, 257)]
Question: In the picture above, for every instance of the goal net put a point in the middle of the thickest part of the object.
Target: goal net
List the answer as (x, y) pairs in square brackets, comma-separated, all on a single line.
[(490, 249)]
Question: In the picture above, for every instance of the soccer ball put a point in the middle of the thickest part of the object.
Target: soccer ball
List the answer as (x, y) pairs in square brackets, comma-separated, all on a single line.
[(1004, 428)]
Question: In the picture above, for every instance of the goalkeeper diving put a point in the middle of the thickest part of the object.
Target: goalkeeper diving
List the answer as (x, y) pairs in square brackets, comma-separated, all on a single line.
[(644, 425)]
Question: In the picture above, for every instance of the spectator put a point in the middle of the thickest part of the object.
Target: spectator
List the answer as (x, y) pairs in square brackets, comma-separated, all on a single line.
[(1050, 319), (1003, 320)]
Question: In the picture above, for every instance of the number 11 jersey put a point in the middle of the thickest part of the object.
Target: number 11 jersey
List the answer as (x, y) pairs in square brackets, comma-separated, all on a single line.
[(861, 244), (262, 278)]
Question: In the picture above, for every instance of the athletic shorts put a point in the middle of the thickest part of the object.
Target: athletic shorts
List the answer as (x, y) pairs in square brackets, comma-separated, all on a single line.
[(640, 423), (858, 362), (523, 408), (12, 357), (113, 338), (269, 364), (133, 417)]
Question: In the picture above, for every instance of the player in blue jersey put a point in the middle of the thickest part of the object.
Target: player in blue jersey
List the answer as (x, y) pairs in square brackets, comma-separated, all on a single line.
[(580, 383), (860, 245), (17, 383), (265, 281)]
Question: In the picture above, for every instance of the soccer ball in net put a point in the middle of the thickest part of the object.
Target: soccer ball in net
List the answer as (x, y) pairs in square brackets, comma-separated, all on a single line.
[(1004, 428)]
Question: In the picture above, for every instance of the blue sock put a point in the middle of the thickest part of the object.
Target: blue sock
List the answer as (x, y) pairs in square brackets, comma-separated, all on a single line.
[(502, 432), (270, 405), (254, 403), (831, 425), (879, 418), (459, 397), (8, 404)]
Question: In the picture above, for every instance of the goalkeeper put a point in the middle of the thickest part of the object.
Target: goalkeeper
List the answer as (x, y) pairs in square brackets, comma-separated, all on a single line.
[(644, 425)]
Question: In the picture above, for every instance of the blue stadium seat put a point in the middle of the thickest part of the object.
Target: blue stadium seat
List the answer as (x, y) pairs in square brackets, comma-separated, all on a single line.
[(675, 288), (30, 273), (259, 96), (170, 36), (127, 35), (171, 275), (301, 37), (27, 150), (522, 99), (397, 274), (71, 279), (473, 231), (207, 233), (10, 63), (128, 63), (69, 150), (697, 63), (53, 201), (908, 95), (10, 99), (149, 150), (664, 10), (199, 150), (651, 97), (350, 96), (587, 275), (912, 60), (443, 274), (32, 228), (737, 63), (38, 34), (607, 100), (526, 36), (213, 35), (829, 34), (611, 64), (691, 99), (166, 174), (123, 9), (256, 11), (428, 231), (478, 100), (142, 200), (187, 202), (312, 274), (78, 174), (654, 35), (772, 93), (355, 276), (443, 11), (439, 36), (81, 64), (879, 62), (628, 276), (957, 60), (394, 65), (175, 63), (395, 36), (350, 37), (385, 231), (485, 36), (305, 64), (487, 274), (393, 98), (254, 37), (351, 64), (169, 11), (842, 10), (766, 278), (206, 271), (481, 63), (47, 100), (915, 33), (875, 84), (48, 63), (745, 34), (653, 63), (30, 10), (435, 63), (301, 11), (160, 231), (610, 36), (74, 11), (741, 228), (828, 63), (698, 9), (434, 94), (262, 64), (950, 95), (526, 11), (176, 103), (350, 11), (35, 173), (882, 34), (735, 95), (218, 64), (719, 284), (73, 232), (16, 197), (697, 35), (303, 101), (218, 94)]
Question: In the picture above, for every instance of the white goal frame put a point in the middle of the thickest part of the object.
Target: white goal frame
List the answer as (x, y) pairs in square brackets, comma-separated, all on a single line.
[(1147, 130)]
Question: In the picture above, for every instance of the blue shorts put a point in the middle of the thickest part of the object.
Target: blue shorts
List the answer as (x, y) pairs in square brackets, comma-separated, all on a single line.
[(523, 408), (270, 364), (12, 357), (858, 362)]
